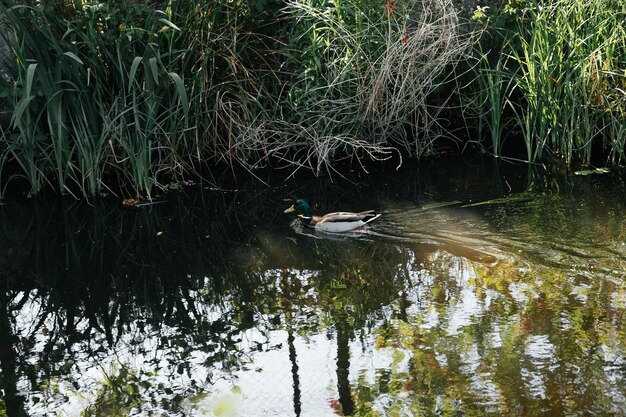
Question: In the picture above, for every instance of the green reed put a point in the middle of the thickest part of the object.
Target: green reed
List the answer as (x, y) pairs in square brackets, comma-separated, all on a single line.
[(103, 100), (490, 100), (126, 95), (566, 77)]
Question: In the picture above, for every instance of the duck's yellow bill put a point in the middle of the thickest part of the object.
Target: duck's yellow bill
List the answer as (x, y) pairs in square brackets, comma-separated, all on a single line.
[(289, 210)]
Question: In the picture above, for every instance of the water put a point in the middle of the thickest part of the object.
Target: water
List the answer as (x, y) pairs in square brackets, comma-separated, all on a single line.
[(484, 289)]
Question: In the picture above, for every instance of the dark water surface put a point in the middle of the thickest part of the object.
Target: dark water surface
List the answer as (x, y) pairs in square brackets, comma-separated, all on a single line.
[(484, 289)]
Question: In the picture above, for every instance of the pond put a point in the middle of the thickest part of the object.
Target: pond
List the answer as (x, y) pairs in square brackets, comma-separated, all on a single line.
[(485, 288)]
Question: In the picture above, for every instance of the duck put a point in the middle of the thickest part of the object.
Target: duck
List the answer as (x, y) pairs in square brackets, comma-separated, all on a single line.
[(336, 222)]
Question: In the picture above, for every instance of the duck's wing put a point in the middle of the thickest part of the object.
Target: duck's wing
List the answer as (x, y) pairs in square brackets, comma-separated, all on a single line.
[(345, 216)]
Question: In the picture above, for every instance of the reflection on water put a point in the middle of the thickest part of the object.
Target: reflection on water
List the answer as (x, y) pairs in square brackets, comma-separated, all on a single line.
[(486, 289)]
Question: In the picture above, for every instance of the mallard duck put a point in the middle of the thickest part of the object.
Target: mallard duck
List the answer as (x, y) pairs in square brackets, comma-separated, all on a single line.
[(336, 222)]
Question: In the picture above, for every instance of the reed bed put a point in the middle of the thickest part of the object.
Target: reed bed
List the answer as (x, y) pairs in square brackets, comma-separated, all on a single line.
[(103, 100), (129, 97), (362, 82), (558, 78)]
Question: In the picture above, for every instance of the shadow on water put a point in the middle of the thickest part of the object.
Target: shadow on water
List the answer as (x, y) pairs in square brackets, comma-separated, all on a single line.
[(483, 289)]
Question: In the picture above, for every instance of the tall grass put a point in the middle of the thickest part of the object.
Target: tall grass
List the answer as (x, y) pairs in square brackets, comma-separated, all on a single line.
[(364, 79), (130, 96), (102, 99), (489, 99), (412, 84), (134, 95), (563, 65)]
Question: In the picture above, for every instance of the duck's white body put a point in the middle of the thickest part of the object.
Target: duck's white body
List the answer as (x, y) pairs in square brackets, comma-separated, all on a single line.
[(337, 222), (340, 222)]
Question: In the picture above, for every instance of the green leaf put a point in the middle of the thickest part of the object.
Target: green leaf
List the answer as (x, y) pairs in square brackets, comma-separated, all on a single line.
[(170, 24), (74, 57), (153, 67), (133, 70), (19, 110), (182, 93), (30, 74)]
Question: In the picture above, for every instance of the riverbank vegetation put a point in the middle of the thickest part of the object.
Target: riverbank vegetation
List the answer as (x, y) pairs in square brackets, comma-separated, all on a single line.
[(557, 74), (130, 97)]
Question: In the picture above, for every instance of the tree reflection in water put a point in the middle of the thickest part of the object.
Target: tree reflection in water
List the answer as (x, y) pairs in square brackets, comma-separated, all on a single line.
[(512, 306)]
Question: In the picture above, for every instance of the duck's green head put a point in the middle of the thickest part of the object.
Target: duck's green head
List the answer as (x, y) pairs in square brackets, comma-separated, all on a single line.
[(302, 207)]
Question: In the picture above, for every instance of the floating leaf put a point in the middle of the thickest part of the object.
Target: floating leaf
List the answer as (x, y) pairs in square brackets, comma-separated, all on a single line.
[(130, 202), (593, 171)]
